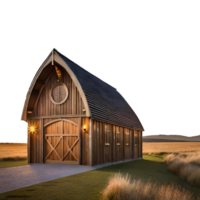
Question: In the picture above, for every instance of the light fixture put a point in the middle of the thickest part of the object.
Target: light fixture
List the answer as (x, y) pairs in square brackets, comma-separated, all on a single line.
[(84, 128), (33, 128)]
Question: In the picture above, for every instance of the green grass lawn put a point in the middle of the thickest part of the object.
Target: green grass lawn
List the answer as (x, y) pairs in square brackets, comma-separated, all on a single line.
[(89, 185), (13, 163)]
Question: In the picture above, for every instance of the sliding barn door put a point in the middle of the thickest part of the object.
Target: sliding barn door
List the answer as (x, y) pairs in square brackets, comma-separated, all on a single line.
[(62, 141)]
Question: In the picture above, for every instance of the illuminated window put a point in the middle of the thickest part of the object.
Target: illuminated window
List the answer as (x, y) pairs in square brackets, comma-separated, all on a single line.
[(127, 138), (118, 137), (136, 138), (107, 135)]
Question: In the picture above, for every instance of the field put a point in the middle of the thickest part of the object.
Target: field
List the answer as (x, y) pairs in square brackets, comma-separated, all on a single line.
[(13, 150), (164, 171), (170, 147)]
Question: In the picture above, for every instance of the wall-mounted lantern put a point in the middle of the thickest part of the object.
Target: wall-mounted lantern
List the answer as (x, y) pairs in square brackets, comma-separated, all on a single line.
[(84, 128), (58, 72), (33, 129)]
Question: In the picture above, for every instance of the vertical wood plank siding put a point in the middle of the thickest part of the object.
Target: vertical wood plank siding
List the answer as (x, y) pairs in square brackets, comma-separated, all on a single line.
[(35, 145), (95, 157), (73, 104), (85, 141), (131, 144), (140, 144), (101, 149), (113, 143), (90, 142)]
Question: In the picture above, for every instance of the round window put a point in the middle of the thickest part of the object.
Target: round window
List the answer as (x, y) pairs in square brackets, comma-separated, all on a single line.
[(59, 93)]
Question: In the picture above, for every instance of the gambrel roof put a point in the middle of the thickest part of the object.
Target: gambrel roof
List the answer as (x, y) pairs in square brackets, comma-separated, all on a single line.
[(102, 101)]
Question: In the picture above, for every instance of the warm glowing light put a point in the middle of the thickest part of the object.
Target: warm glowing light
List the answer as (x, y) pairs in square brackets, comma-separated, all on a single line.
[(58, 71), (32, 129), (29, 112), (84, 128)]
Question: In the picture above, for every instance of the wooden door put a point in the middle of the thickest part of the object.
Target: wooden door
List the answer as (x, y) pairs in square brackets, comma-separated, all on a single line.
[(62, 141)]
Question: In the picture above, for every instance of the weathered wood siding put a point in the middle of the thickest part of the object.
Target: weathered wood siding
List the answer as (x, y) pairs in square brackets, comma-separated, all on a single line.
[(127, 143), (85, 156), (119, 135), (136, 144), (35, 142), (131, 143), (112, 143), (107, 131), (140, 144), (72, 106)]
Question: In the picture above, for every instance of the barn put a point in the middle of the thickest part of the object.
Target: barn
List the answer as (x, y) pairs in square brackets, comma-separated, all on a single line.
[(76, 118)]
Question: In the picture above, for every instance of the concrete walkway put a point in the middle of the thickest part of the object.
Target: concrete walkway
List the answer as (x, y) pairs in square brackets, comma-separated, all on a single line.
[(17, 177)]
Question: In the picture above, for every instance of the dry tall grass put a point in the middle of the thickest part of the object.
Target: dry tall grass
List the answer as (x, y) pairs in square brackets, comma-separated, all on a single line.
[(186, 166), (120, 187)]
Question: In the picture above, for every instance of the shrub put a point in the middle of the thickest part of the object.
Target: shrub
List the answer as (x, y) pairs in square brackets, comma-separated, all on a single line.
[(120, 187), (186, 166)]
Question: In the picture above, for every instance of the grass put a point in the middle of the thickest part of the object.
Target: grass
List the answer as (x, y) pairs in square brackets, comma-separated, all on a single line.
[(187, 167), (89, 185), (13, 162), (122, 187)]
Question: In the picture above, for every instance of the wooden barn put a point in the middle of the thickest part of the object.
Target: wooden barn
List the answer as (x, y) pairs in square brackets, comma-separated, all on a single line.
[(76, 118)]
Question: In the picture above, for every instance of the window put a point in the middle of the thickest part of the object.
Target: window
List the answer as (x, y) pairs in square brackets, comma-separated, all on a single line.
[(127, 138), (59, 93), (107, 135), (117, 136), (136, 138)]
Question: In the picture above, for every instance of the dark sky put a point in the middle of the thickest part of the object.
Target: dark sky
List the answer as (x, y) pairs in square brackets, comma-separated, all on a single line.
[(160, 83)]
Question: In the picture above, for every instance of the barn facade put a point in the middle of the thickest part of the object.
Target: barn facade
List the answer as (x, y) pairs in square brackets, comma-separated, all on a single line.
[(75, 118)]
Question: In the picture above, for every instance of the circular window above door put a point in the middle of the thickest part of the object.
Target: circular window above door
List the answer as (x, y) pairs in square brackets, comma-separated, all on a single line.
[(59, 93)]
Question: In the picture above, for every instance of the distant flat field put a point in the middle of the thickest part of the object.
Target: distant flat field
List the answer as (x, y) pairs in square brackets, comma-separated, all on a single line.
[(170, 147), (20, 150), (13, 150)]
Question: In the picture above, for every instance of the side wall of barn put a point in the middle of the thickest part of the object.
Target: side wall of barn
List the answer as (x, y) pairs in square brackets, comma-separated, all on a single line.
[(111, 143)]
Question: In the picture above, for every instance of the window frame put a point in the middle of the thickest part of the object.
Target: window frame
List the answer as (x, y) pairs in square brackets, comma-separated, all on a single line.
[(107, 138), (51, 93)]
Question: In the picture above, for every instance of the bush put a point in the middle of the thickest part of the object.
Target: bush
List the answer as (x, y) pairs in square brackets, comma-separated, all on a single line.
[(186, 166), (120, 187)]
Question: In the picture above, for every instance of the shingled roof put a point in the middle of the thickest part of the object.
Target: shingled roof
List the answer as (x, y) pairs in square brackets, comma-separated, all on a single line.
[(105, 102)]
